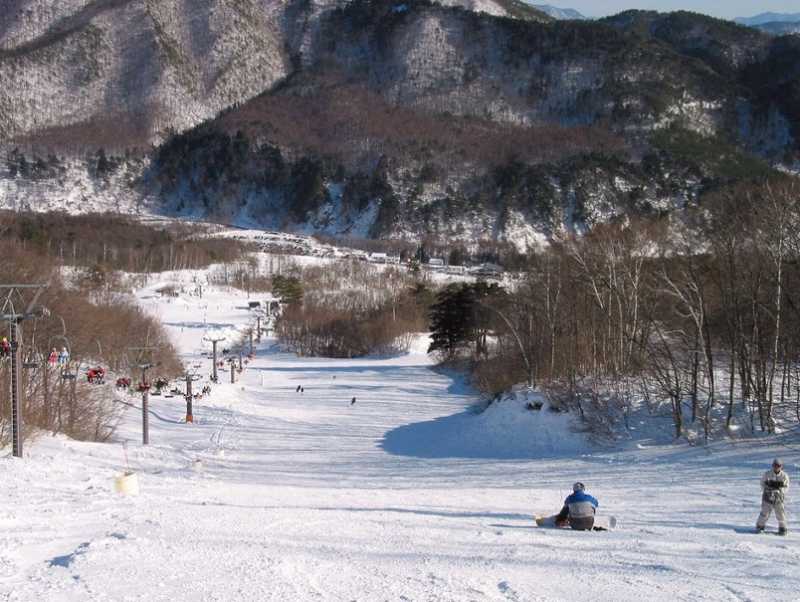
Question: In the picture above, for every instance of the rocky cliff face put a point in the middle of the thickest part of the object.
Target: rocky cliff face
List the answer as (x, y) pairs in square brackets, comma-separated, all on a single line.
[(385, 117)]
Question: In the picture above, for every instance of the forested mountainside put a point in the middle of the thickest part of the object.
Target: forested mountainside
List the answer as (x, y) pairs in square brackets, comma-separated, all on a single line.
[(153, 65), (487, 119)]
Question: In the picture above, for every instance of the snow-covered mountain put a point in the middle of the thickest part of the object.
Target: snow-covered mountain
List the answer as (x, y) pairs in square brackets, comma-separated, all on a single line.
[(383, 118), (562, 14), (129, 71)]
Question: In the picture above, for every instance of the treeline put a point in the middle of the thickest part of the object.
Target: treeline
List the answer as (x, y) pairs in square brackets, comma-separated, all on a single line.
[(707, 323), (350, 310), (96, 328), (113, 242), (500, 252), (34, 166)]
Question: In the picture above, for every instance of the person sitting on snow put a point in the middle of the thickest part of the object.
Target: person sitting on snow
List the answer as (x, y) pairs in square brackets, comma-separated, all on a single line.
[(579, 509), (774, 484)]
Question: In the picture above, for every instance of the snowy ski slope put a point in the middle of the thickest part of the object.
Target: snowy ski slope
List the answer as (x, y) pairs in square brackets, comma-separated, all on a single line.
[(405, 495)]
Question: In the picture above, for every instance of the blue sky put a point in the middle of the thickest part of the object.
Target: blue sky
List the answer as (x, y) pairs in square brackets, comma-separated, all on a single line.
[(726, 9)]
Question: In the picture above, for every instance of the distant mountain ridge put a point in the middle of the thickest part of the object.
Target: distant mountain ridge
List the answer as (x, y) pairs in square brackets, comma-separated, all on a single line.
[(562, 14), (764, 18)]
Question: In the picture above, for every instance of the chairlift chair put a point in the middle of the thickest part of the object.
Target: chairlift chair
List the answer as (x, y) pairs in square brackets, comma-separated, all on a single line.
[(32, 361), (67, 373), (96, 375)]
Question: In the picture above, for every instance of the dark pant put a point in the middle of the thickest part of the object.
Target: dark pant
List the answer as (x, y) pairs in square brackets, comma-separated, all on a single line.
[(579, 523)]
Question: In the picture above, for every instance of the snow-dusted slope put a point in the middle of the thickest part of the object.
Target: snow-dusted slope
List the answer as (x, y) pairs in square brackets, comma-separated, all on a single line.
[(125, 72), (559, 13), (136, 67), (304, 496), (500, 8)]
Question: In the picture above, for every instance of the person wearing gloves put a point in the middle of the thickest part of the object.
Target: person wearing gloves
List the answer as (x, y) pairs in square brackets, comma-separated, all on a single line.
[(579, 509), (774, 484)]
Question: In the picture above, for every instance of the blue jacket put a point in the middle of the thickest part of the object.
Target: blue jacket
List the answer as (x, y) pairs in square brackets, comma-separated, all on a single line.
[(581, 503)]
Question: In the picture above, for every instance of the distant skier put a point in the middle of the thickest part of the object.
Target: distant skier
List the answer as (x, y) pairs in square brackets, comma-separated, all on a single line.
[(774, 484), (298, 389), (302, 390), (52, 359), (353, 401), (63, 357), (579, 509)]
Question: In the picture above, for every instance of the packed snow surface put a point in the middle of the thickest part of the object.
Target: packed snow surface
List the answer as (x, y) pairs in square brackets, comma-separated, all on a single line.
[(410, 493)]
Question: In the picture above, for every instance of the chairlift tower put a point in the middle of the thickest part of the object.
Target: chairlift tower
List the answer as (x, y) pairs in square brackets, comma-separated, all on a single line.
[(144, 366), (261, 314), (214, 341), (232, 365), (9, 314), (190, 378)]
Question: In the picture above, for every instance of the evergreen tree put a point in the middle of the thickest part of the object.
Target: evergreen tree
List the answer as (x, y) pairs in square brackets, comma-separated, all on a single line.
[(288, 288), (450, 320), (459, 318)]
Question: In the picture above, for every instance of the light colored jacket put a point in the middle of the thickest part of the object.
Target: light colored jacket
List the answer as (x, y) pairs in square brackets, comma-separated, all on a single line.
[(774, 486)]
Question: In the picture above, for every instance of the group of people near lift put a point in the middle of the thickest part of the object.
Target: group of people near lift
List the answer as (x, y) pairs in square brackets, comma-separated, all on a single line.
[(578, 511), (56, 358), (59, 359)]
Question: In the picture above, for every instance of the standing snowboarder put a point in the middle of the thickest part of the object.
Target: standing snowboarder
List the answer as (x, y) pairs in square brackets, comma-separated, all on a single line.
[(579, 509), (774, 483)]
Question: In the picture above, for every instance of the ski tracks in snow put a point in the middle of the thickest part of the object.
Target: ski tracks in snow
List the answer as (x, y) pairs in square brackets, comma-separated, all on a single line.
[(299, 498)]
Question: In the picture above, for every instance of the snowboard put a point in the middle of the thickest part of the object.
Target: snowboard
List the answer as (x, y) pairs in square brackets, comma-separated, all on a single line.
[(601, 523)]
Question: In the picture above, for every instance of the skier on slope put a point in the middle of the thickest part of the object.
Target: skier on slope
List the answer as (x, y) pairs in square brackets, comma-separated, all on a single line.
[(774, 483), (579, 509)]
